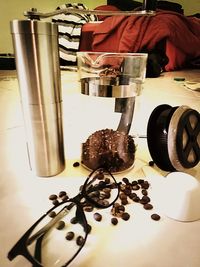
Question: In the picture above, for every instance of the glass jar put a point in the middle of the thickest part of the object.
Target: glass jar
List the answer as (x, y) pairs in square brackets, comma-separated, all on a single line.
[(109, 84)]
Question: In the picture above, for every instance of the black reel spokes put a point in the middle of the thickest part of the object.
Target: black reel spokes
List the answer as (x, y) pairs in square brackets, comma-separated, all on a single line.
[(173, 137)]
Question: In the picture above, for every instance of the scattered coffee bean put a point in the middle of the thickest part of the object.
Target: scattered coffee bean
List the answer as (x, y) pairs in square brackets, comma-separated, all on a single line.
[(62, 194), (151, 163), (76, 164), (125, 216), (55, 202), (100, 176), (73, 220), (52, 214), (155, 217), (69, 236), (80, 240), (125, 180), (122, 196), (124, 201), (140, 181), (60, 225), (122, 187), (127, 191), (144, 192), (145, 185), (136, 199), (97, 216), (132, 196), (107, 180), (121, 208), (136, 187), (114, 221), (53, 197), (106, 195), (148, 206), (134, 183), (116, 205), (89, 228), (88, 208), (65, 198), (107, 190), (145, 200)]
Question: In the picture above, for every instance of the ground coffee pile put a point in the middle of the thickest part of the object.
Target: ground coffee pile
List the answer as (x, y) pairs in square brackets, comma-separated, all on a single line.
[(113, 149)]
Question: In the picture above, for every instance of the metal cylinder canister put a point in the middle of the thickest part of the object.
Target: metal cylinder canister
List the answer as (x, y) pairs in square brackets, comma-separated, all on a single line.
[(37, 62)]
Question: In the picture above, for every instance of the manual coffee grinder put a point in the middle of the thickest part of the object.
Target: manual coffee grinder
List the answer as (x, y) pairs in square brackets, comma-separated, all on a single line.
[(37, 62)]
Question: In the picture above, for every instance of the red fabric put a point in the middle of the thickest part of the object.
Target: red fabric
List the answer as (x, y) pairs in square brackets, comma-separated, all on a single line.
[(87, 36), (136, 33)]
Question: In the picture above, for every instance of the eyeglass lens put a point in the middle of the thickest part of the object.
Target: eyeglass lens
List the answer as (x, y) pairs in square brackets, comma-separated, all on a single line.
[(57, 245), (101, 188)]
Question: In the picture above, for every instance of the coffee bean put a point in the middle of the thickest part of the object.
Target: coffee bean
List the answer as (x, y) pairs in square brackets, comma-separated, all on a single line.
[(69, 235), (107, 190), (97, 216), (127, 191), (145, 185), (125, 216), (136, 199), (145, 200), (144, 192), (73, 220), (76, 164), (121, 208), (114, 221), (134, 183), (60, 225), (55, 202), (88, 208), (122, 196), (52, 214), (124, 201), (135, 187), (65, 198), (80, 240), (122, 187), (155, 217), (107, 180), (116, 205), (151, 163), (100, 176), (148, 206), (62, 194), (105, 203), (107, 195), (53, 197), (125, 180), (132, 196), (140, 181), (89, 228)]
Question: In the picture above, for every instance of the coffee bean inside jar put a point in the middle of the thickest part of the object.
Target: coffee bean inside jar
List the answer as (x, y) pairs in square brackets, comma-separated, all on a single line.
[(113, 149)]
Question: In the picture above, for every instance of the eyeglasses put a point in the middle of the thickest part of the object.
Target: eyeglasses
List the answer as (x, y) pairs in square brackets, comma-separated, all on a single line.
[(44, 244)]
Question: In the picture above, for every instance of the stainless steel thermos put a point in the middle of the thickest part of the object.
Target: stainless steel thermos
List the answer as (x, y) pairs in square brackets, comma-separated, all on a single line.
[(37, 61)]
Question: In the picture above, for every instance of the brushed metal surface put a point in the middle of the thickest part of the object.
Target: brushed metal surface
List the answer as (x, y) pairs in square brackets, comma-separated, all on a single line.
[(37, 61)]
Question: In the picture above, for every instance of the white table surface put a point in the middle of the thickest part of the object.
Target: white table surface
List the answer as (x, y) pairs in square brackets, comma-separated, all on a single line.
[(139, 242)]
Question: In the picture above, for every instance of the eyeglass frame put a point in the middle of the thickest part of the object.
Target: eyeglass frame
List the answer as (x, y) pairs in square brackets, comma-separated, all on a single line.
[(20, 248)]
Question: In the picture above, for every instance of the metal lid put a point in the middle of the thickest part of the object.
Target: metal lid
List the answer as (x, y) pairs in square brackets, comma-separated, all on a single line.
[(33, 27)]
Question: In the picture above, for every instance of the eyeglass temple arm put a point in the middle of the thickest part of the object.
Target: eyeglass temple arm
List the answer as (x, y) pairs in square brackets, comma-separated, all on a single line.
[(44, 229)]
